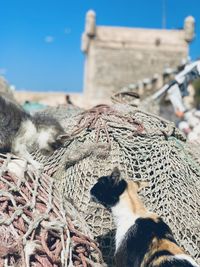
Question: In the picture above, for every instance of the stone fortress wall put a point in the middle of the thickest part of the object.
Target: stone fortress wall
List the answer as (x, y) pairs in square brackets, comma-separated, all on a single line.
[(118, 56)]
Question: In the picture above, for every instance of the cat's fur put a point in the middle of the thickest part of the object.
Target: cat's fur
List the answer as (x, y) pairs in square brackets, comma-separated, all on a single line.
[(19, 131), (143, 239)]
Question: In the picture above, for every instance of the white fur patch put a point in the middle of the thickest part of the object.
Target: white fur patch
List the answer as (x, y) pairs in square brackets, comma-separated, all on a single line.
[(124, 219), (30, 132), (186, 257), (45, 136), (26, 137)]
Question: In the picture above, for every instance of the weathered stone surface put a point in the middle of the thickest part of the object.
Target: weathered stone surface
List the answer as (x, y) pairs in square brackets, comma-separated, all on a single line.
[(117, 56)]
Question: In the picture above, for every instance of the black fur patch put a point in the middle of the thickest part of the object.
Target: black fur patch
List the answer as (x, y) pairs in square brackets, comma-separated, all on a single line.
[(11, 117), (107, 191), (156, 255), (43, 120), (138, 239), (175, 263)]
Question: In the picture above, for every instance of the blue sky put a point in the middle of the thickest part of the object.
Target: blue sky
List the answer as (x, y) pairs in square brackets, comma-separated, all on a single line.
[(40, 39)]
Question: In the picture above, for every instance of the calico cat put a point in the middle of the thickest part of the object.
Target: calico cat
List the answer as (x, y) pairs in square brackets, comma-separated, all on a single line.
[(19, 131), (143, 239)]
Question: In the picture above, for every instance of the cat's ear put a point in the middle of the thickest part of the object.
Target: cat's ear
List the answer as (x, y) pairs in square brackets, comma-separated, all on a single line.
[(115, 175), (141, 184)]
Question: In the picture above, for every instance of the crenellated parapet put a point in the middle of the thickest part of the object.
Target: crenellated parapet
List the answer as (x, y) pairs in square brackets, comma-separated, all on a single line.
[(189, 28), (90, 30)]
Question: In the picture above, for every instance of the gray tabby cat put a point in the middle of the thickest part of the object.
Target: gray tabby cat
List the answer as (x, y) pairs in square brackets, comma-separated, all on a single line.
[(19, 131)]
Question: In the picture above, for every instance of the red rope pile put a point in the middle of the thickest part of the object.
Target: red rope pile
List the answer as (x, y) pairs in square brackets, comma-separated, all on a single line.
[(97, 118)]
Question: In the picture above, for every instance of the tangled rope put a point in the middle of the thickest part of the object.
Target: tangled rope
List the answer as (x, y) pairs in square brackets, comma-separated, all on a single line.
[(34, 226)]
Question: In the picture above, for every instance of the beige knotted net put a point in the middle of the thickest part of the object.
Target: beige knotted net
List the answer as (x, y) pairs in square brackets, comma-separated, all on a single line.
[(144, 147)]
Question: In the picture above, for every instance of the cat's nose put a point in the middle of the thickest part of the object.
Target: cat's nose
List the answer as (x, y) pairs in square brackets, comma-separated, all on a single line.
[(55, 145)]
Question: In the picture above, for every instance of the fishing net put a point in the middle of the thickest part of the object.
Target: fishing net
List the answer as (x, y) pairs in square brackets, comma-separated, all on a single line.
[(144, 147), (35, 228), (162, 107)]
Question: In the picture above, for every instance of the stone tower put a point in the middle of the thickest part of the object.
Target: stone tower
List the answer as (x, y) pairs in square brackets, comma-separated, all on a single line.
[(117, 56)]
